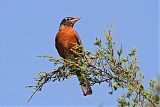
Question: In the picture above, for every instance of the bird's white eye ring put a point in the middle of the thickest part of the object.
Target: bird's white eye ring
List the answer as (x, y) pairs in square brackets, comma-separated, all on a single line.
[(67, 18)]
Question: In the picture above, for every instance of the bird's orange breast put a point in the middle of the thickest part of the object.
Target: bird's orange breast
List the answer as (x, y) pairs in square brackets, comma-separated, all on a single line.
[(65, 40)]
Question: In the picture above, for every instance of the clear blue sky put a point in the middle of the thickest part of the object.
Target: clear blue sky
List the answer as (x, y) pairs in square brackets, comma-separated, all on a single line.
[(28, 29)]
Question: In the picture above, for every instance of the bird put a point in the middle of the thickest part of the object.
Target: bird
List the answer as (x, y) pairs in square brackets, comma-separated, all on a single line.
[(65, 40)]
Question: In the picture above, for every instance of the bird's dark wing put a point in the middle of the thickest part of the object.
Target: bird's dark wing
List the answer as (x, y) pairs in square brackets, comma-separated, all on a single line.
[(56, 44), (79, 40)]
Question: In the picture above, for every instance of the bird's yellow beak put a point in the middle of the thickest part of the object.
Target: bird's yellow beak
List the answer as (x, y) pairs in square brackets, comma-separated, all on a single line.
[(75, 19)]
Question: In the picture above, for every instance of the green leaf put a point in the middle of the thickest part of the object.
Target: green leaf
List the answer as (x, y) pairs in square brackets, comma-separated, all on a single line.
[(83, 68), (87, 52), (141, 75), (133, 52), (134, 49), (115, 85), (124, 59), (114, 58), (98, 42), (138, 68), (119, 52), (68, 75), (130, 54), (105, 32), (130, 87), (152, 83)]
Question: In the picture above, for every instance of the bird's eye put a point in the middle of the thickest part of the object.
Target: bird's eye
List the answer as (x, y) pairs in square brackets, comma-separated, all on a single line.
[(67, 19)]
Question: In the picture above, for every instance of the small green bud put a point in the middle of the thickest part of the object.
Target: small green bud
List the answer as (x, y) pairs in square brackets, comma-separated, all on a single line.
[(119, 52)]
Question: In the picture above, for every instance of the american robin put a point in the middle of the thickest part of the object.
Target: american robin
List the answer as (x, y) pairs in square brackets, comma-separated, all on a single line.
[(65, 40)]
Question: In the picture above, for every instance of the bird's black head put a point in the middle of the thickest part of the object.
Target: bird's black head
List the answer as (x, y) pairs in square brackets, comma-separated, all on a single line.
[(68, 21)]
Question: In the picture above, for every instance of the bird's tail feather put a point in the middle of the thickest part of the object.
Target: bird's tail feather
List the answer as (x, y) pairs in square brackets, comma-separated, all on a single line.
[(85, 85)]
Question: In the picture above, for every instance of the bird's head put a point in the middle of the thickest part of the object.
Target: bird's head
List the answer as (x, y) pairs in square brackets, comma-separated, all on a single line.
[(68, 21)]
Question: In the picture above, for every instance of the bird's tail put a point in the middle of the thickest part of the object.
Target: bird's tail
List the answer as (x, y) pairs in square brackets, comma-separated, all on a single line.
[(85, 85)]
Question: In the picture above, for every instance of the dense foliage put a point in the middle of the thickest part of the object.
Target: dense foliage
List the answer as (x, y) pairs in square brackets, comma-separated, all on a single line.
[(105, 65)]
